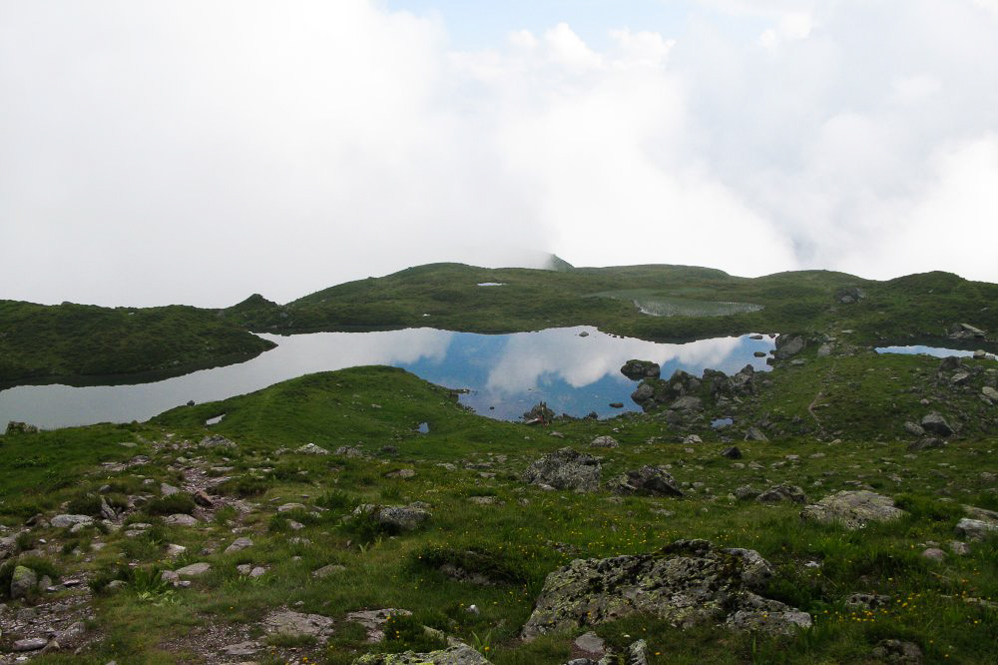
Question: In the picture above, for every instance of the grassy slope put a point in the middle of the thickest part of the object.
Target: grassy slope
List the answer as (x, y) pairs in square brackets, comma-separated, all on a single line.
[(447, 296), (530, 532), (68, 340)]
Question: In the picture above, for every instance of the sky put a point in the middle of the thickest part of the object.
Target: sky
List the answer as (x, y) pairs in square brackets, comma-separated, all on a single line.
[(198, 151)]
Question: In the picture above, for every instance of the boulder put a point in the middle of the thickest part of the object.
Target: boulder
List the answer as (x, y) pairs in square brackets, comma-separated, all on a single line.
[(781, 493), (755, 434), (64, 521), (788, 346), (935, 423), (29, 644), (687, 403), (732, 452), (646, 481), (687, 583), (965, 331), (641, 369), (565, 469), (459, 654), (897, 652), (645, 394), (297, 624), (990, 393), (238, 545), (976, 530), (218, 441), (604, 442), (193, 570), (23, 582), (311, 449), (854, 509), (180, 519), (394, 518)]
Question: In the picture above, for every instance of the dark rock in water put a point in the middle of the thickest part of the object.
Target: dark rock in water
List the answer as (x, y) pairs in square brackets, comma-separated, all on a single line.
[(781, 493), (687, 583), (935, 423), (641, 369), (565, 469), (732, 452), (616, 405), (646, 481)]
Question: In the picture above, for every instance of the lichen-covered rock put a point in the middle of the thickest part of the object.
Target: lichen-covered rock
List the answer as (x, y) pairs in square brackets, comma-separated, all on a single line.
[(854, 509), (781, 493), (646, 481), (565, 469), (63, 521), (23, 582), (460, 654), (687, 583)]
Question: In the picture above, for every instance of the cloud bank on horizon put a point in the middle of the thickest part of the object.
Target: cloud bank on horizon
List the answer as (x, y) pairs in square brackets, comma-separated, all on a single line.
[(198, 151)]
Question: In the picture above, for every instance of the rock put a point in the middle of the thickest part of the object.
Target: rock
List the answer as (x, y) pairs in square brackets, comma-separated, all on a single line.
[(374, 620), (174, 550), (565, 469), (348, 451), (965, 331), (692, 440), (616, 405), (687, 583), (297, 624), (687, 403), (396, 518), (854, 509), (959, 379), (755, 434), (897, 652), (914, 429), (328, 570), (990, 393), (604, 442), (193, 570), (641, 369), (781, 493), (311, 449), (247, 648), (848, 295), (590, 643), (218, 441), (23, 583), (401, 474), (202, 499), (934, 554), (788, 346), (63, 521), (166, 489), (181, 519), (959, 548), (288, 507), (935, 423), (644, 394), (926, 443), (866, 601), (646, 481), (238, 545), (976, 530), (732, 452), (637, 653), (30, 644), (459, 654), (746, 492)]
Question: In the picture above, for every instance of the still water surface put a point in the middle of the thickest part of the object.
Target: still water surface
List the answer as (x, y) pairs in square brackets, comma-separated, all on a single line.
[(506, 374)]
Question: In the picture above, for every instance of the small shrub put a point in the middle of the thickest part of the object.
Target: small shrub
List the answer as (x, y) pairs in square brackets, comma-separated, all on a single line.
[(181, 502), (244, 487), (86, 504), (336, 500)]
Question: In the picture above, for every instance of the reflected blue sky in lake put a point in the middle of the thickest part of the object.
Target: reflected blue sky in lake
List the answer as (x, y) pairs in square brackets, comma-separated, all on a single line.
[(505, 374)]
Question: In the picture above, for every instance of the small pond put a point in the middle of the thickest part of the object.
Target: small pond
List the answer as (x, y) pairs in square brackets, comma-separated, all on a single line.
[(924, 350), (575, 370)]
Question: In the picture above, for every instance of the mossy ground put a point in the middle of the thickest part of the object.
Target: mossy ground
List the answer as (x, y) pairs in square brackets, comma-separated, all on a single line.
[(527, 532)]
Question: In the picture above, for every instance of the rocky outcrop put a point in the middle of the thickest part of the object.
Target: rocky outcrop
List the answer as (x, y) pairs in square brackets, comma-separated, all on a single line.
[(646, 481), (459, 654), (565, 469), (853, 509), (687, 583), (641, 369), (297, 624)]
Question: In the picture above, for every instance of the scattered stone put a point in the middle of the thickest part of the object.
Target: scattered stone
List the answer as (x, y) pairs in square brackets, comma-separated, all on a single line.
[(646, 481), (238, 545), (328, 570), (349, 451), (30, 644), (926, 443), (288, 507), (166, 489), (311, 449), (866, 601), (297, 624), (854, 509), (591, 643), (565, 469), (935, 423), (374, 620), (64, 521), (193, 570), (897, 652), (755, 434), (687, 583), (604, 442), (218, 441), (174, 550), (781, 493), (459, 654), (934, 554), (181, 519), (247, 648), (692, 440), (401, 474)]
